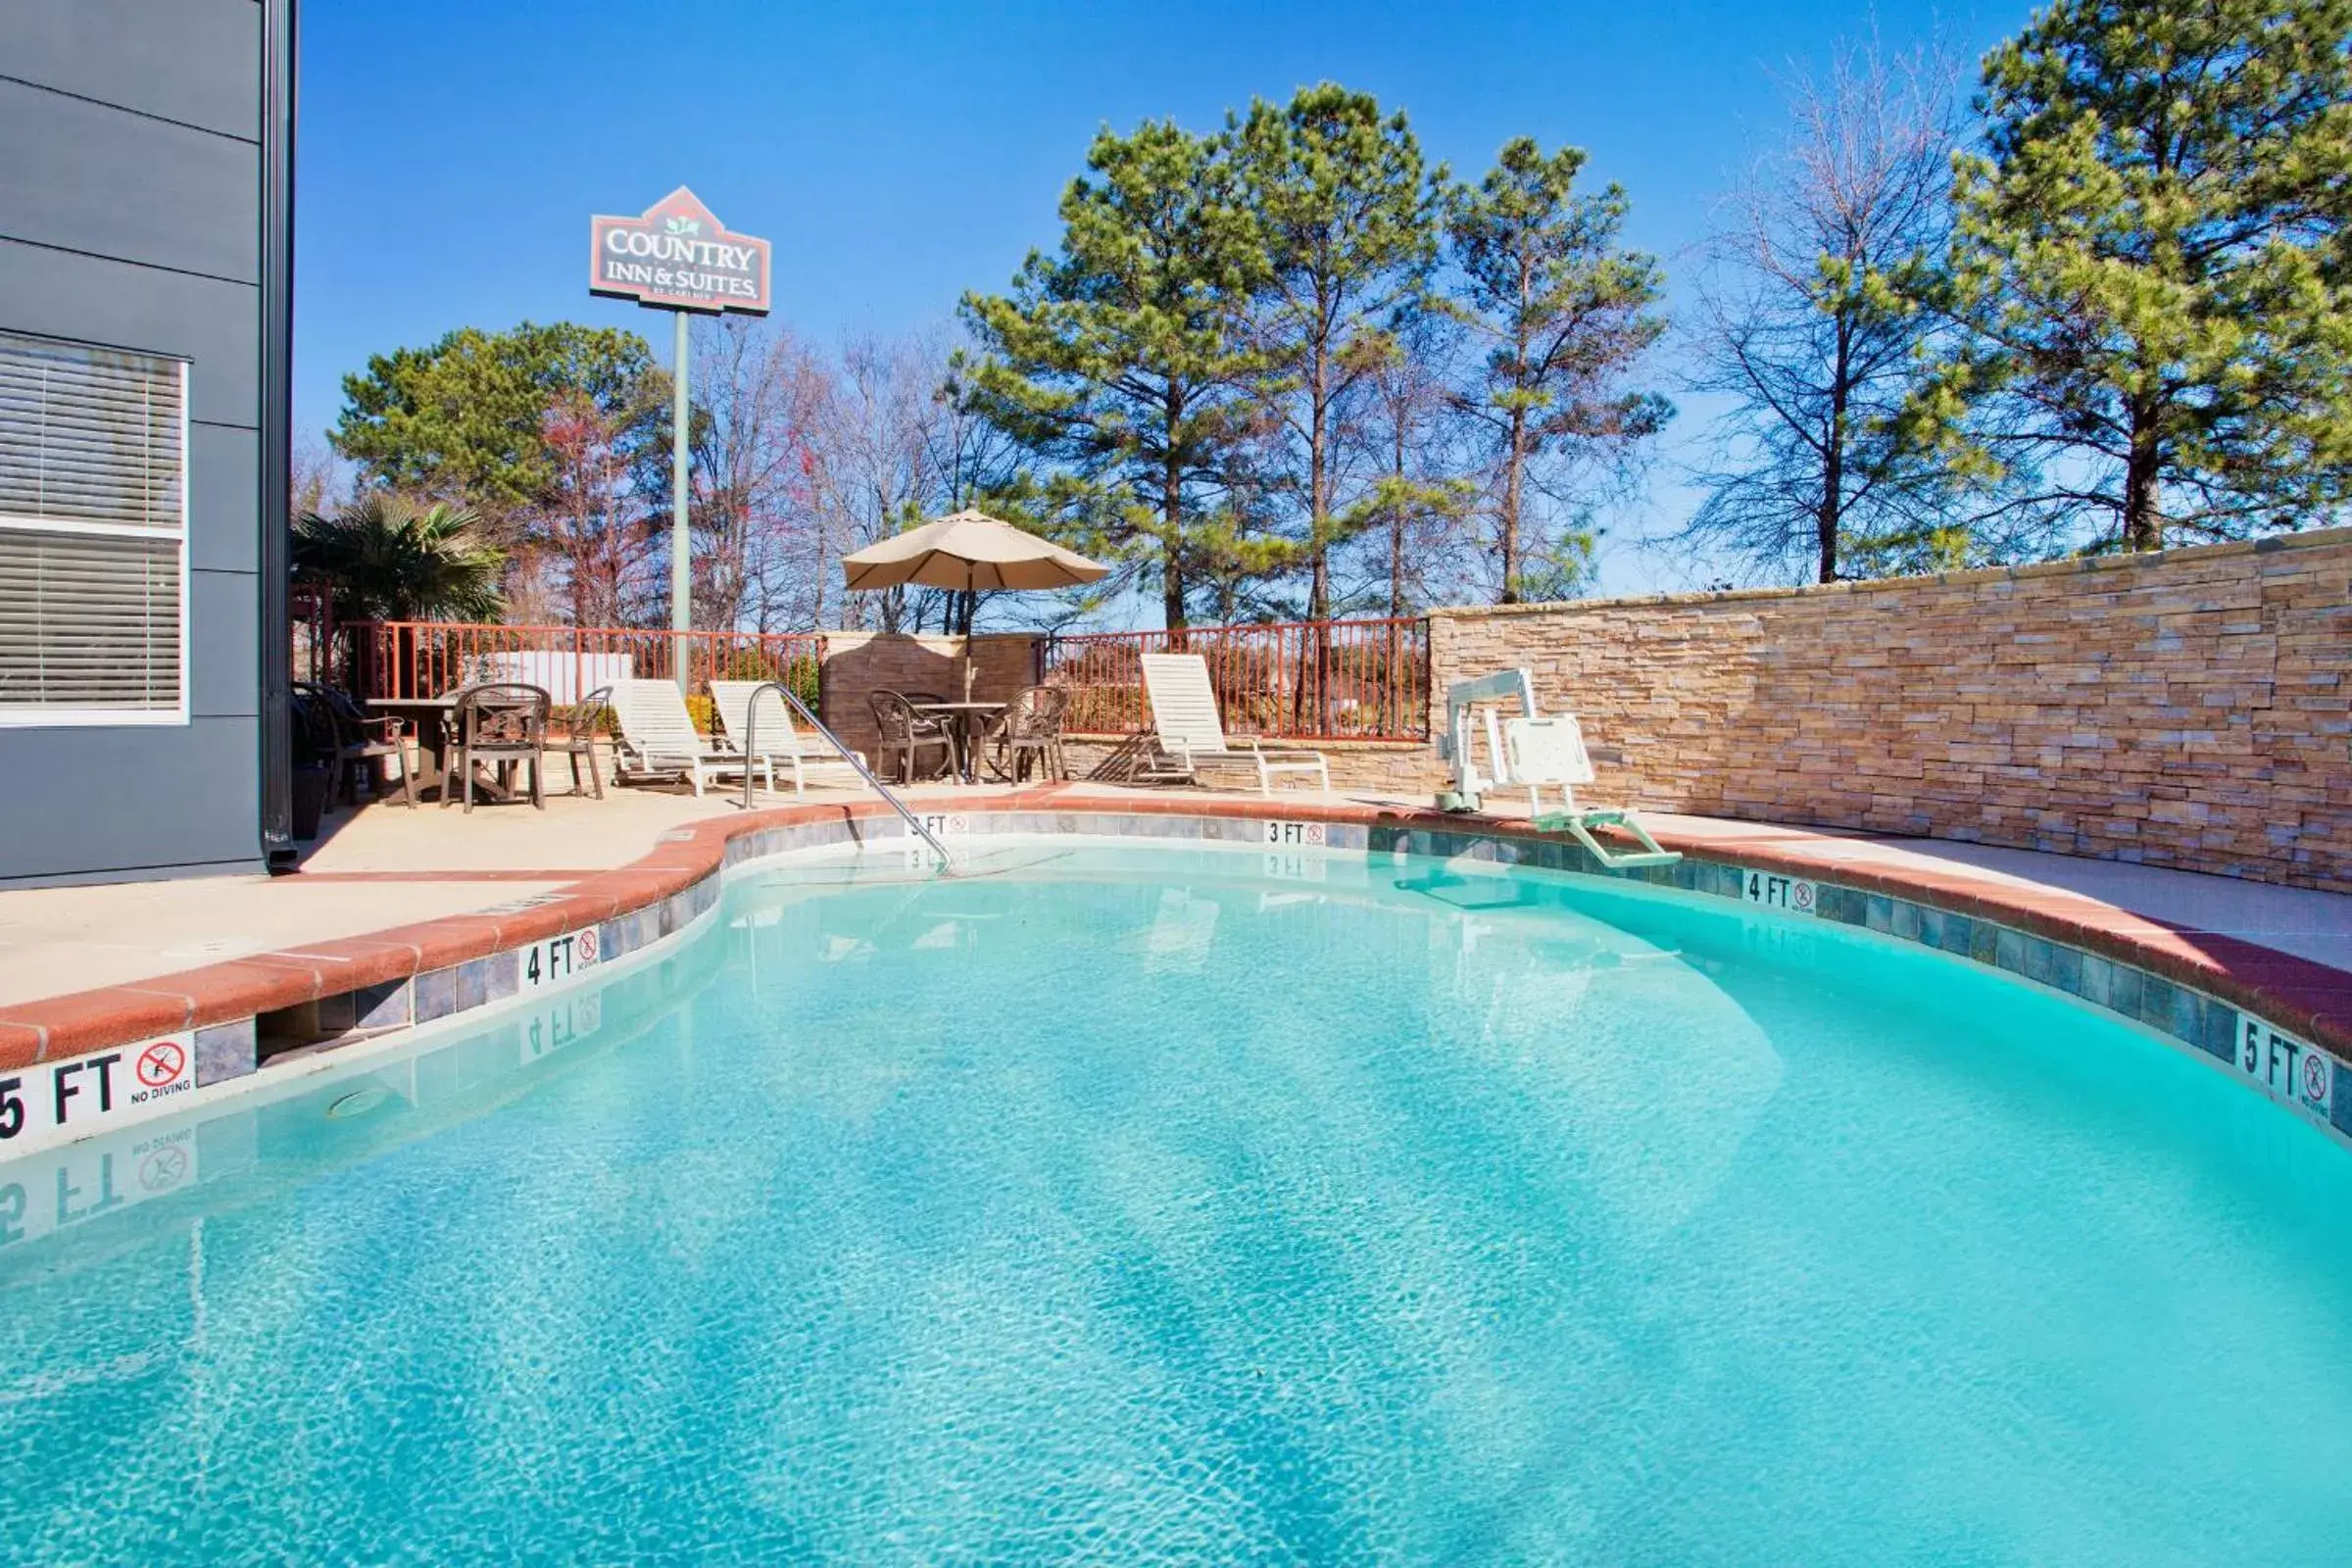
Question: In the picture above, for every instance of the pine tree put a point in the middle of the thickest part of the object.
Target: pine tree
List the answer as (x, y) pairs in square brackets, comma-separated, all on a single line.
[(2152, 265), (1565, 314), (1350, 228), (1121, 359)]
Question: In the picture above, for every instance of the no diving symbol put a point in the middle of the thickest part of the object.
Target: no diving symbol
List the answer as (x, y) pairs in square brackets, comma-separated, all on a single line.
[(585, 945), (1800, 896), (162, 1168), (2314, 1076), (161, 1063)]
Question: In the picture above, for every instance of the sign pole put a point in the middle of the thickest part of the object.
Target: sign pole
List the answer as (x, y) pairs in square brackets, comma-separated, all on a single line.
[(682, 586), (676, 256)]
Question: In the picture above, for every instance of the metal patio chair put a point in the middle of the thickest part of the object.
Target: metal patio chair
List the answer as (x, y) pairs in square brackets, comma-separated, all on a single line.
[(906, 735), (578, 742), (1029, 732), (499, 724), (357, 740)]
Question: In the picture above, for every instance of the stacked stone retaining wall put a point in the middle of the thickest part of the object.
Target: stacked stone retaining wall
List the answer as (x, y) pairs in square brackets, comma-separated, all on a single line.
[(2190, 709)]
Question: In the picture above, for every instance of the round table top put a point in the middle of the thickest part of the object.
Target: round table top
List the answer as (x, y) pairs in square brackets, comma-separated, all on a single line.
[(936, 708)]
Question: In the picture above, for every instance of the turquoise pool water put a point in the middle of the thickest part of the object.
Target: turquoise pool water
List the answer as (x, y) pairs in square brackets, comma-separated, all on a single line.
[(1194, 1207)]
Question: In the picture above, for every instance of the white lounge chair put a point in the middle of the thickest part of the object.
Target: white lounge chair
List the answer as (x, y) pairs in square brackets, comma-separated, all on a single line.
[(1191, 735), (658, 738), (779, 741)]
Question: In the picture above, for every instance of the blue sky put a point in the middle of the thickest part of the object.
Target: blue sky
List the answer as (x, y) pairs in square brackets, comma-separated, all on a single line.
[(451, 151)]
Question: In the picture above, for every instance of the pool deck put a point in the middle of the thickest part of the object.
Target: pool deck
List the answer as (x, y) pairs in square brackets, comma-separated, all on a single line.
[(73, 959)]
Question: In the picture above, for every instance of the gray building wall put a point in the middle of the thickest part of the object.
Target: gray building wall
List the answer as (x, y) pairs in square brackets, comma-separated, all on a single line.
[(134, 187)]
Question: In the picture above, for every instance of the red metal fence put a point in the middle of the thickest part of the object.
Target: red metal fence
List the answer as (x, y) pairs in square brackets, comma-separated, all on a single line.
[(1302, 680), (1306, 680), (427, 658)]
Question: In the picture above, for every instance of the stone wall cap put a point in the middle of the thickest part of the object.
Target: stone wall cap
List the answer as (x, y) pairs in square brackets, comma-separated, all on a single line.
[(2307, 539)]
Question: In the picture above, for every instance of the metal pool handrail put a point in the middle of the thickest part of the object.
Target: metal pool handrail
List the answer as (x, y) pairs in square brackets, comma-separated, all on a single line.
[(750, 749)]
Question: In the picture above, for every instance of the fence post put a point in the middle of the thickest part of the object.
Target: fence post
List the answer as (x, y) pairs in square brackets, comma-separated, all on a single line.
[(1393, 718), (1428, 675)]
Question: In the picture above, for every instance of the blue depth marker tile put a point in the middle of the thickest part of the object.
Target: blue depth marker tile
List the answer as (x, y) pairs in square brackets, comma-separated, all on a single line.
[(2217, 1029), (225, 1051)]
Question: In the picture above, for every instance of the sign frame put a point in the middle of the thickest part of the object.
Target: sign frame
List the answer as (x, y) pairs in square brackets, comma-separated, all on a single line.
[(680, 229)]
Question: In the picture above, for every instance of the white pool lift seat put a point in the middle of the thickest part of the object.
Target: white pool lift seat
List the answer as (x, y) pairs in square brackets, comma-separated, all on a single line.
[(778, 740), (1190, 734), (1537, 751)]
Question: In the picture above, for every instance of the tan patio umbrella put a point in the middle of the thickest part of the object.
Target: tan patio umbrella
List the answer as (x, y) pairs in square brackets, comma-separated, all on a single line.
[(970, 552)]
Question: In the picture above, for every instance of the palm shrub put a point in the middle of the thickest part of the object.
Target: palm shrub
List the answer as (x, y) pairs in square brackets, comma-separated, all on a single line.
[(390, 557)]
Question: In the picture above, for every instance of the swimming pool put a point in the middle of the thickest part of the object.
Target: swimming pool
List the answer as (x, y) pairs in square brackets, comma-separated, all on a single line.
[(1157, 1204)]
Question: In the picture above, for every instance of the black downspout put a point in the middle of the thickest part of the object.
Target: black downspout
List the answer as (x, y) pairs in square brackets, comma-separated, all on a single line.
[(277, 429)]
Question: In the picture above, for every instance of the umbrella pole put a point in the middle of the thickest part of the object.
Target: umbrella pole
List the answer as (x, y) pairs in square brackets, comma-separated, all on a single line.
[(969, 593)]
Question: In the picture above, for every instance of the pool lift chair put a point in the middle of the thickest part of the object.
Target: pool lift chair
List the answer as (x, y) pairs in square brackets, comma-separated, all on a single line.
[(1533, 751)]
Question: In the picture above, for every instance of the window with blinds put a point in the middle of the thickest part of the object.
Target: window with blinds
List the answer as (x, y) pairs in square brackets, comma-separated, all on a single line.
[(93, 534)]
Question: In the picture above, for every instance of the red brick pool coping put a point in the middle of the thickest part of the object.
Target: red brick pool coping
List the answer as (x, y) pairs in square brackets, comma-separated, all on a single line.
[(2311, 998)]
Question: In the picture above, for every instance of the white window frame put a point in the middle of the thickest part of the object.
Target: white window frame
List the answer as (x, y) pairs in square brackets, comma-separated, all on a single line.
[(36, 716)]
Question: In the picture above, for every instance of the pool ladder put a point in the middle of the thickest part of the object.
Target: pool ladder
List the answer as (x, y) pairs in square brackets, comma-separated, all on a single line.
[(750, 749)]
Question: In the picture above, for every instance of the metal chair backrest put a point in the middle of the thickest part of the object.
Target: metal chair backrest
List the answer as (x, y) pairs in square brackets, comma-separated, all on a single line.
[(341, 704), (894, 716), (316, 720), (1035, 714), (590, 714), (503, 714)]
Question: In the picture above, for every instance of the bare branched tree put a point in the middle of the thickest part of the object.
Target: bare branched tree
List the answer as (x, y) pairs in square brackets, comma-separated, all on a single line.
[(1563, 316), (593, 521), (759, 397), (972, 462), (317, 482), (1807, 318), (876, 473), (1419, 546)]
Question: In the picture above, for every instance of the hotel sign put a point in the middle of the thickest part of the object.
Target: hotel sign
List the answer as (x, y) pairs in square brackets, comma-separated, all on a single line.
[(677, 256)]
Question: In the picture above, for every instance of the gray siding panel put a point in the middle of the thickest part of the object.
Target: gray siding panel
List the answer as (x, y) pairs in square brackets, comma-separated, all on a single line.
[(224, 499), (90, 801), (225, 649), (214, 323), (128, 169), (105, 182), (194, 61)]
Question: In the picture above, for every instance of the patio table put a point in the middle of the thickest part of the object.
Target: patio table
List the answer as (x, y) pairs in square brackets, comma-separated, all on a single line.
[(430, 715), (966, 717)]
